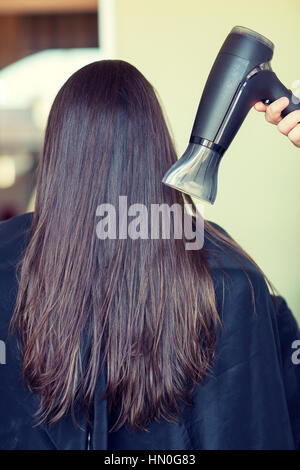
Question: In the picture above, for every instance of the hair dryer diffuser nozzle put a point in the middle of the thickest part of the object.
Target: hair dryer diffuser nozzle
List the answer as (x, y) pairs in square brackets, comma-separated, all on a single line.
[(196, 172)]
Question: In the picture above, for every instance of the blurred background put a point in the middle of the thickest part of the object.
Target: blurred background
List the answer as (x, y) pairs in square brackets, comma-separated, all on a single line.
[(174, 44)]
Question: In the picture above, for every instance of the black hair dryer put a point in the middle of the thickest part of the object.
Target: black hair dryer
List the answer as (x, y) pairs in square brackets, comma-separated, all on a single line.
[(241, 75)]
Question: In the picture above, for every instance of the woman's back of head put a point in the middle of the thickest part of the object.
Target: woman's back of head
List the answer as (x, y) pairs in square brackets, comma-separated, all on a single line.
[(105, 128)]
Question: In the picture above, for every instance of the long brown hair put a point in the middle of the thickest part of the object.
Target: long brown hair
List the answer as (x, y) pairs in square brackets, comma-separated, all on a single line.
[(143, 309)]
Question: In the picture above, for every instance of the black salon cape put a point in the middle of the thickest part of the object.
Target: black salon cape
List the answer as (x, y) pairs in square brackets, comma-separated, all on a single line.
[(250, 401)]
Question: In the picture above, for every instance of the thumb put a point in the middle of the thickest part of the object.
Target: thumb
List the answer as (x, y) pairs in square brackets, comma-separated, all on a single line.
[(273, 112), (260, 106)]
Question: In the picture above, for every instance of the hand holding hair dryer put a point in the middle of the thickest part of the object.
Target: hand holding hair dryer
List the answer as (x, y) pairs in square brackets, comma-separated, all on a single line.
[(241, 75)]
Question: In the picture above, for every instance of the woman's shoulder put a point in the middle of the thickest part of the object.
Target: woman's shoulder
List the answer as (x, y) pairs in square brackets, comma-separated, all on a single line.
[(240, 285), (14, 237), (22, 221), (225, 254)]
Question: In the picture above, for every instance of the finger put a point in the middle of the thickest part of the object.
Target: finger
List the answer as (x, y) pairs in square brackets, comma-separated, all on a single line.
[(289, 122), (273, 112), (294, 135), (260, 106)]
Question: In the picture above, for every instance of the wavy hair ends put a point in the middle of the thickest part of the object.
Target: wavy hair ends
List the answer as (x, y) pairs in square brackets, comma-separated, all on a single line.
[(143, 311)]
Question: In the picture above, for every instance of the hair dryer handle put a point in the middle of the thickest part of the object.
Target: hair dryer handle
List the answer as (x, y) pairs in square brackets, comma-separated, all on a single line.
[(277, 90)]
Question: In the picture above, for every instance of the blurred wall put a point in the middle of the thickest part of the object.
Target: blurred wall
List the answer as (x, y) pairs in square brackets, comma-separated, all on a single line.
[(174, 44), (30, 33)]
